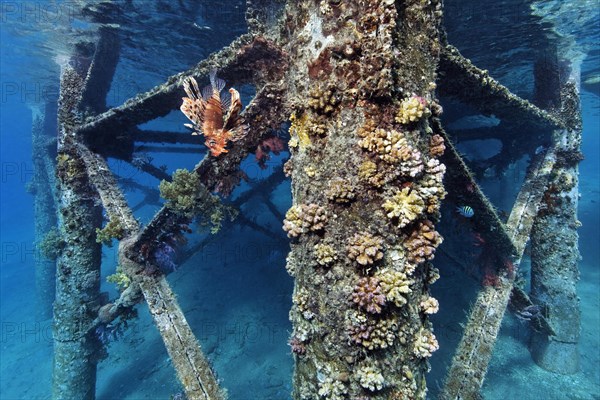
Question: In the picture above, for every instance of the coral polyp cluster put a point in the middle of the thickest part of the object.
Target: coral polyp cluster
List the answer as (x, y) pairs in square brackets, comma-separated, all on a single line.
[(436, 146), (404, 207), (425, 344), (430, 305), (365, 248), (395, 285), (304, 218), (372, 333), (325, 254), (412, 109), (368, 295), (393, 147), (340, 190), (323, 101), (181, 193), (432, 189), (301, 300), (331, 389), (422, 243), (370, 378)]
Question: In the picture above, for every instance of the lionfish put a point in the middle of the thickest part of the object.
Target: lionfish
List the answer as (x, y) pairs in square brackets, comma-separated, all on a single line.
[(206, 111)]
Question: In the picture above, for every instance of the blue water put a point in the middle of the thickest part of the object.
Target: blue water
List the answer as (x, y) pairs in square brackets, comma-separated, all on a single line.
[(236, 293)]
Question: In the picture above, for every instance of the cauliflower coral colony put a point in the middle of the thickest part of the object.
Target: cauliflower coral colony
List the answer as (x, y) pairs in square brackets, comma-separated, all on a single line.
[(406, 176)]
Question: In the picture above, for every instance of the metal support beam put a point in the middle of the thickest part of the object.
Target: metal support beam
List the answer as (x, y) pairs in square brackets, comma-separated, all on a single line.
[(470, 363), (460, 78)]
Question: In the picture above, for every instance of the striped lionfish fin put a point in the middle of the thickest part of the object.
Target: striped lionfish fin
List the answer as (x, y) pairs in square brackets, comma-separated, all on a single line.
[(193, 107), (217, 83), (233, 111)]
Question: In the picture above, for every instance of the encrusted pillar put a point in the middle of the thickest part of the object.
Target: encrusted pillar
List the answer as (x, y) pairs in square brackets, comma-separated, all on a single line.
[(554, 249), (78, 266), (367, 186)]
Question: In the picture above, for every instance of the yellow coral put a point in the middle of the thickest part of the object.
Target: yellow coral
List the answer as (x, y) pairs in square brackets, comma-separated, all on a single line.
[(412, 109), (299, 131), (301, 301), (370, 378), (310, 170), (340, 190), (323, 101), (119, 278), (395, 285), (325, 254), (406, 206)]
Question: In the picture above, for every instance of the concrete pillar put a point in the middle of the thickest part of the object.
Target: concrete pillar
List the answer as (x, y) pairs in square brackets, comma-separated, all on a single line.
[(554, 249)]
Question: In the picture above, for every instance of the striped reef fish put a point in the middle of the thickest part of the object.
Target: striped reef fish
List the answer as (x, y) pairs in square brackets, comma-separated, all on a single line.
[(218, 119), (465, 211)]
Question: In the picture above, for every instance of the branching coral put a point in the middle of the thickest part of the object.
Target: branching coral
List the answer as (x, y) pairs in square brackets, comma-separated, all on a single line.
[(181, 193), (119, 278), (394, 148), (323, 101), (431, 188), (395, 285), (429, 305), (331, 389), (372, 333), (433, 274), (340, 190), (113, 230), (186, 196), (436, 146), (325, 254), (368, 295), (301, 301), (367, 172), (365, 248), (412, 109), (370, 378), (422, 242), (304, 218), (404, 207), (425, 344)]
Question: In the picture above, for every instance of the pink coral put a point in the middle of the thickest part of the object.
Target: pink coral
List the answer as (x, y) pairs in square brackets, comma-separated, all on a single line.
[(273, 145), (422, 243), (367, 294), (297, 346)]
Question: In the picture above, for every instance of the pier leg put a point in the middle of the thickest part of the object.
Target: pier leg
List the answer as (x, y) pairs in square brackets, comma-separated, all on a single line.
[(555, 252)]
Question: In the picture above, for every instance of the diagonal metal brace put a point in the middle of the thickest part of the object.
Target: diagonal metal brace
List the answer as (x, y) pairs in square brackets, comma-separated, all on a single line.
[(470, 363)]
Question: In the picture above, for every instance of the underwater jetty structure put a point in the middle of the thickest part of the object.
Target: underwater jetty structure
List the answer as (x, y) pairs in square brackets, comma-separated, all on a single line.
[(370, 165)]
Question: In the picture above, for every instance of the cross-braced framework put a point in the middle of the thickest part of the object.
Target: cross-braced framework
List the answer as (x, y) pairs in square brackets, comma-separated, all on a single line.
[(366, 76)]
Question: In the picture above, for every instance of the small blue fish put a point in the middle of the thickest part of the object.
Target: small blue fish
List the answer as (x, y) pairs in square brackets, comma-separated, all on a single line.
[(465, 211)]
